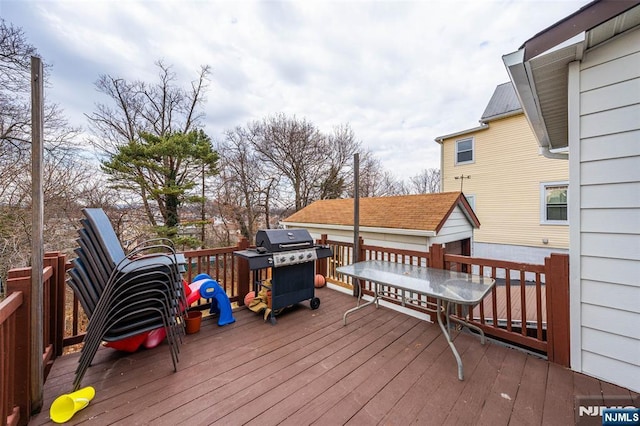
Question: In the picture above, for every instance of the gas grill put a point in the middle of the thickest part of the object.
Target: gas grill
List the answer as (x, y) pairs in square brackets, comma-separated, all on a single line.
[(292, 255)]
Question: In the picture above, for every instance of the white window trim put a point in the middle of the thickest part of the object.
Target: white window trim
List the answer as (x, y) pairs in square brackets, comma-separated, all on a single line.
[(543, 203), (473, 151)]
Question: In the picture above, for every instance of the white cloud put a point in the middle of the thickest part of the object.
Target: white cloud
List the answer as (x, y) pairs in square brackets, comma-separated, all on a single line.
[(400, 72)]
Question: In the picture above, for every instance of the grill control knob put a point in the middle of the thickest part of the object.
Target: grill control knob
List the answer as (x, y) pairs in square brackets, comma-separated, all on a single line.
[(282, 259), (308, 255), (301, 256), (292, 258)]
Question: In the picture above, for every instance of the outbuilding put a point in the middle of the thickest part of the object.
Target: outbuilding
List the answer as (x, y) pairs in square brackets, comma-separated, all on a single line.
[(408, 222)]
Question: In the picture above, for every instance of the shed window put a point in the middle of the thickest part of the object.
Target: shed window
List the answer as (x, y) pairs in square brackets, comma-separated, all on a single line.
[(464, 151), (554, 205)]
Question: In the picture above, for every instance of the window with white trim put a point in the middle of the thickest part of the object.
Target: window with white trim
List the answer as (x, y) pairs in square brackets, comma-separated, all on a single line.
[(464, 151), (554, 203)]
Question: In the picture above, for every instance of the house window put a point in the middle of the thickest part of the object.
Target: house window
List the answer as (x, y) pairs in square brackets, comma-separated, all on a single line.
[(464, 151), (554, 206)]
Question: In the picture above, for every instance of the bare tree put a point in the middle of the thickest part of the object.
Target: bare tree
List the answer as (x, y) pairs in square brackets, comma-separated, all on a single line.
[(426, 182), (64, 170), (15, 78), (293, 148), (244, 182), (375, 181), (311, 163)]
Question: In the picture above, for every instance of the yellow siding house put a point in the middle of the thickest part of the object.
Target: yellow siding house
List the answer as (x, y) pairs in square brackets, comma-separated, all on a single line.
[(518, 195)]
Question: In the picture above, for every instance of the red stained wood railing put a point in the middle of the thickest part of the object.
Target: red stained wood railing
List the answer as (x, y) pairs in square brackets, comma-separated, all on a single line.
[(528, 307), (231, 272), (9, 310), (514, 310), (15, 343)]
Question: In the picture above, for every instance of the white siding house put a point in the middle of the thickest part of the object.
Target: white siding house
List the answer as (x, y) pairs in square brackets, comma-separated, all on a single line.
[(582, 99), (407, 222)]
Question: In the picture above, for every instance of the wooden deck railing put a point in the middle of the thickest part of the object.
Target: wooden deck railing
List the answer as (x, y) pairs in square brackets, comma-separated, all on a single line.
[(231, 272), (64, 321), (10, 309), (536, 310), (16, 329), (343, 255), (529, 307)]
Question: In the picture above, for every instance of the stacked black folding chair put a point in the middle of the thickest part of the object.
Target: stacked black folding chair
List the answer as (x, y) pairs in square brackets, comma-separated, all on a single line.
[(125, 295)]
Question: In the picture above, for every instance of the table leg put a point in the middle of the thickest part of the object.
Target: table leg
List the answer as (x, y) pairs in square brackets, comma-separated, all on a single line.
[(464, 321), (445, 331), (358, 305)]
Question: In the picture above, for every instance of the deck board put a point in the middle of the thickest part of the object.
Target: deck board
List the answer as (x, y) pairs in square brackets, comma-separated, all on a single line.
[(384, 367), (498, 405)]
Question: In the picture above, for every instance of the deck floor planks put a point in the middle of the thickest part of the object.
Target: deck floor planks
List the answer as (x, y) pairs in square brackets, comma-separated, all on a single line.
[(558, 403), (120, 390), (382, 368), (164, 383), (325, 369), (255, 359), (235, 337), (438, 401), (472, 398), (529, 402), (382, 375), (587, 386), (259, 370), (326, 407), (432, 387), (499, 401), (378, 406)]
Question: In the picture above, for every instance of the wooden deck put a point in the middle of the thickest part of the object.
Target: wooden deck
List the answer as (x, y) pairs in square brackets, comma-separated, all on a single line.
[(516, 306), (384, 367)]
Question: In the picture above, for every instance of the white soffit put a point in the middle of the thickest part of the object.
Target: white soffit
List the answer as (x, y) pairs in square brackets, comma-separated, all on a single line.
[(541, 86)]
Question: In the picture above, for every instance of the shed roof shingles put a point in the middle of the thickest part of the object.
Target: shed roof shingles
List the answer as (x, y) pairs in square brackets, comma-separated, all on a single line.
[(420, 212)]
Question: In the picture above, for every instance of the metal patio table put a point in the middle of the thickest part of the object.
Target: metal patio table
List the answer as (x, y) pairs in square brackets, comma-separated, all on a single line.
[(396, 281)]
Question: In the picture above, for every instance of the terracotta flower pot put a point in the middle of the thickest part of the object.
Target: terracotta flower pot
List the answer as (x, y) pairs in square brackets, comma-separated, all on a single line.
[(193, 320)]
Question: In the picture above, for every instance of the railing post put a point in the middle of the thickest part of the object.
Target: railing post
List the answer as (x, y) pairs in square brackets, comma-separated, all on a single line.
[(321, 264), (558, 321), (436, 256), (61, 302), (49, 324), (244, 274), (53, 320), (20, 280), (361, 255)]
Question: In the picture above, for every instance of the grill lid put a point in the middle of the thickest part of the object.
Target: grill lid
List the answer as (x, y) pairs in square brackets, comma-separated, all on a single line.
[(277, 240)]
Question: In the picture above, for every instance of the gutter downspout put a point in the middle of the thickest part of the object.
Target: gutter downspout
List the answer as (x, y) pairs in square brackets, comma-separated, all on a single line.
[(554, 154)]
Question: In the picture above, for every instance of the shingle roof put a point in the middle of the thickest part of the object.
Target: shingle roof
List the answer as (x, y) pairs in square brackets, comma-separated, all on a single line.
[(503, 101), (426, 212)]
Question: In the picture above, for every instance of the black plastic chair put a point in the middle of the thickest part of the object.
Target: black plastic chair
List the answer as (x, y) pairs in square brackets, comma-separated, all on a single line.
[(125, 294)]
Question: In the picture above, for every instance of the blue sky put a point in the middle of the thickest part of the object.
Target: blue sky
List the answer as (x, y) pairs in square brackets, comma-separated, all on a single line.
[(400, 73)]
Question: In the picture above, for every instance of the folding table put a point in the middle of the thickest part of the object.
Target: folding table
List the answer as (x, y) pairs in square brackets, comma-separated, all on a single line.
[(412, 285)]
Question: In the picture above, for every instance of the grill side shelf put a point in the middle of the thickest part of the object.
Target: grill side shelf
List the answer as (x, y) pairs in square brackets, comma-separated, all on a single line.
[(256, 260)]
